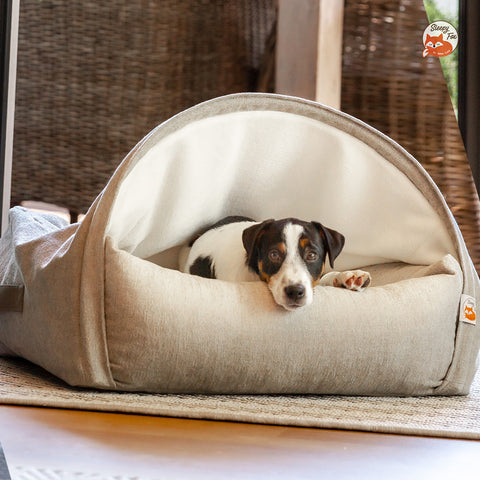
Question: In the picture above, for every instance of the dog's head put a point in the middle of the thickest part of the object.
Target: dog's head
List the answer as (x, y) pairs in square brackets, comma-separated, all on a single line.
[(290, 256)]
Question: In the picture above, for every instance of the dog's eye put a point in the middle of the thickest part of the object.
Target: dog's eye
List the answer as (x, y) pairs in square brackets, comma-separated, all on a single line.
[(274, 256), (311, 256)]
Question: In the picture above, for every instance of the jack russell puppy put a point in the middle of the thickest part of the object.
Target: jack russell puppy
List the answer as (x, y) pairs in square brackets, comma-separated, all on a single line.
[(288, 254)]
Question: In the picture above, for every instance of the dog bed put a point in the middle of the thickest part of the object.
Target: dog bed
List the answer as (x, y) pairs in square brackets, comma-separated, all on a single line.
[(102, 303)]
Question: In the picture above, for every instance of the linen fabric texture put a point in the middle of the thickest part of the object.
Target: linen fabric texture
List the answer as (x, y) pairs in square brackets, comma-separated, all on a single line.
[(101, 304)]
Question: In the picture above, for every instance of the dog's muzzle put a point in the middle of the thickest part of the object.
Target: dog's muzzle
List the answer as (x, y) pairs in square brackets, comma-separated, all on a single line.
[(295, 295)]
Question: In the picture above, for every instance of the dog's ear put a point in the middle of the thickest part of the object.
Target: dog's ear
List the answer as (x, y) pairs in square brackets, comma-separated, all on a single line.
[(334, 241), (251, 237)]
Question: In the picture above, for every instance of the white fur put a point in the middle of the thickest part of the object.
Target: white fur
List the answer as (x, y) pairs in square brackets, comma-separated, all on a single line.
[(355, 280), (224, 245), (293, 271)]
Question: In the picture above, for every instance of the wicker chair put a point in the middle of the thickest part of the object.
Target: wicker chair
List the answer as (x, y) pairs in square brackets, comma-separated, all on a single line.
[(94, 77), (388, 84)]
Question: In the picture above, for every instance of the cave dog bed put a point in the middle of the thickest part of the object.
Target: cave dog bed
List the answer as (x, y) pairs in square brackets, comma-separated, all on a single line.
[(102, 303)]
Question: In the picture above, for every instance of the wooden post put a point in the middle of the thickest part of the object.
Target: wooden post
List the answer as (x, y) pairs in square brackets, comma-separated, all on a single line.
[(309, 49)]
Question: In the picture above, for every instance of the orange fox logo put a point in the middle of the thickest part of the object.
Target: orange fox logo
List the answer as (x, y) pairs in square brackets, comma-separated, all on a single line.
[(469, 312), (437, 46)]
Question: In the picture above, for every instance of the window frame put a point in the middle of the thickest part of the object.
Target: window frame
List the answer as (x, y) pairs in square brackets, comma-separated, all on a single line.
[(9, 16), (469, 82)]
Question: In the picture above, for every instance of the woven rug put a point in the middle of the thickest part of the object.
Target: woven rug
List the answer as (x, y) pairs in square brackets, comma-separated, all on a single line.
[(22, 383)]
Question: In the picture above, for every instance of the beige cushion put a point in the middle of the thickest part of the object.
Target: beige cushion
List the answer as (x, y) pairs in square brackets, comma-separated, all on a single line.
[(174, 332)]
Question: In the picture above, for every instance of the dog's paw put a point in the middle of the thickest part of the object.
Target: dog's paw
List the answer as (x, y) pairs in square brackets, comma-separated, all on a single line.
[(355, 280)]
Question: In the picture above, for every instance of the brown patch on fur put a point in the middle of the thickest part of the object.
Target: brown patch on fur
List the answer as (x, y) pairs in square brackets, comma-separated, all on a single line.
[(304, 242), (316, 281), (263, 276)]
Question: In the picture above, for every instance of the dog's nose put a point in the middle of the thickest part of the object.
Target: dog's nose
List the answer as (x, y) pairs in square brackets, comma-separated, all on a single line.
[(295, 292)]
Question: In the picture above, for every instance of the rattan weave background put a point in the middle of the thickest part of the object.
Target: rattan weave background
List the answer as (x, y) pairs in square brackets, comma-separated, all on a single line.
[(388, 84), (95, 76)]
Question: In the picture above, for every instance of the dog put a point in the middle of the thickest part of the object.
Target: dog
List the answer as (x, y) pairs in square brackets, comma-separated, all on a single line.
[(288, 254)]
